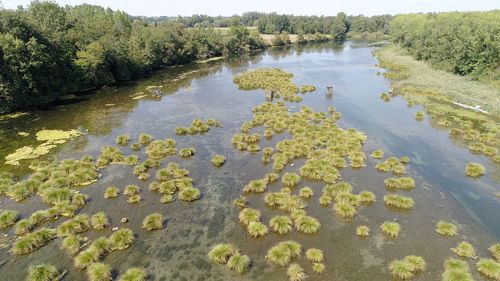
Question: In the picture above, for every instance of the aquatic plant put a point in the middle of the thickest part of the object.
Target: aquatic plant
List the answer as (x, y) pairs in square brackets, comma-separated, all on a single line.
[(257, 186), (253, 148), (134, 199), (314, 255), (404, 183), (367, 197), (240, 202), (153, 222), (318, 267), (23, 226), (474, 170), (362, 231), (33, 241), (145, 139), (456, 275), (87, 257), (283, 252), (79, 199), (495, 251), (296, 273), (281, 224), (8, 218), (307, 224), (187, 152), (489, 268), (42, 272), (407, 267), (404, 159), (122, 139), (307, 89), (271, 177), (290, 179), (121, 239), (390, 228), (221, 253), (99, 221), (132, 160), (99, 272), (398, 201), (131, 189), (111, 192), (465, 249), (345, 210), (419, 116), (325, 200), (257, 229), (239, 263), (417, 263), (377, 154), (306, 192), (73, 243), (189, 194), (456, 264), (248, 215), (79, 224), (181, 131), (446, 228), (159, 149), (135, 146), (218, 160)]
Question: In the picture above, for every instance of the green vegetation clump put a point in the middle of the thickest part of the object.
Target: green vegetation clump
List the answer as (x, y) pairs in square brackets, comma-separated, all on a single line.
[(281, 224), (296, 273), (134, 199), (33, 241), (465, 249), (419, 116), (145, 139), (257, 229), (111, 192), (390, 228), (99, 221), (318, 267), (378, 154), (187, 152), (79, 224), (131, 189), (446, 228), (153, 222), (474, 170), (274, 80), (240, 202), (218, 160), (456, 270), (189, 194), (306, 192), (248, 215), (99, 272), (489, 268), (181, 131), (407, 268), (362, 231), (314, 255), (8, 218), (121, 239), (405, 183), (122, 140), (42, 272), (221, 253), (256, 186), (290, 179), (495, 251), (367, 197), (134, 274), (307, 89), (283, 253), (307, 224), (398, 201), (73, 243), (345, 210), (239, 263)]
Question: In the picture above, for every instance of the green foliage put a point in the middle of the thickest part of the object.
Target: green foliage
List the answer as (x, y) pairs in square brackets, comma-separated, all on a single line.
[(465, 43), (133, 274), (42, 272)]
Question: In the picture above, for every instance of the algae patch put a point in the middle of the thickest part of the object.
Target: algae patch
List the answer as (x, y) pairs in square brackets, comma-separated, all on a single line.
[(50, 139)]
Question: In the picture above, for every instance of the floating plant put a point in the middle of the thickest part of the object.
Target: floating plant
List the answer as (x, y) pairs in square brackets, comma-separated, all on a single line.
[(239, 263), (218, 160), (390, 228), (465, 249), (145, 139), (377, 154), (122, 140), (362, 231), (489, 268), (446, 228), (281, 224), (398, 201), (474, 170)]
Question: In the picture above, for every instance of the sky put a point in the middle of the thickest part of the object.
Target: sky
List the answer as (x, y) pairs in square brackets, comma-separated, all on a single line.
[(296, 7)]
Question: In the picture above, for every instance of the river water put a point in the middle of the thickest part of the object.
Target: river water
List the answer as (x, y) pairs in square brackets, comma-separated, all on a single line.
[(179, 252)]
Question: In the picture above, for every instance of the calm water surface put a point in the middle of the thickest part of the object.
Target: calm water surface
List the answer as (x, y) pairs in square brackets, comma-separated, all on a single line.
[(206, 91)]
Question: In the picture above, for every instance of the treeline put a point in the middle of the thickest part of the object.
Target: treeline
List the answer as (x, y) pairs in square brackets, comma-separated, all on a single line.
[(464, 43), (47, 50)]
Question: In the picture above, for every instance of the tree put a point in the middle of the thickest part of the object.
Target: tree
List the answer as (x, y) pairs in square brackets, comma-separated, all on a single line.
[(340, 27)]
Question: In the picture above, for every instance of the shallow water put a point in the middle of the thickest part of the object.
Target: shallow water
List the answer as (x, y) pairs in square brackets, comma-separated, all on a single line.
[(179, 251)]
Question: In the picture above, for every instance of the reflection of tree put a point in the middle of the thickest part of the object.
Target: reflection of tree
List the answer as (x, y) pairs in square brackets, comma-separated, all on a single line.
[(280, 52)]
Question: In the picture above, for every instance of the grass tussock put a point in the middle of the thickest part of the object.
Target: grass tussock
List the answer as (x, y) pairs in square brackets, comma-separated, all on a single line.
[(218, 160), (42, 272), (465, 249), (283, 253), (111, 192), (99, 272), (8, 218), (153, 222), (296, 273), (391, 229), (33, 241), (99, 221), (362, 231), (489, 268), (281, 224), (134, 274), (239, 263), (456, 270), (221, 253), (407, 268), (474, 170), (399, 201), (446, 228), (314, 255)]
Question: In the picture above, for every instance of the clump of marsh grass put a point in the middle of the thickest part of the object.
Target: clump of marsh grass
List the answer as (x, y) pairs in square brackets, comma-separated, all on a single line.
[(167, 198), (99, 221), (111, 192), (134, 274), (399, 201), (33, 241), (79, 224), (145, 139), (495, 251), (181, 131), (134, 199), (73, 243), (367, 197), (131, 190), (306, 192), (377, 154), (318, 267), (240, 202), (8, 218), (218, 160), (257, 229), (187, 152), (122, 139), (314, 255), (362, 231), (307, 88), (290, 179), (121, 239), (281, 224), (221, 253), (391, 229), (404, 183), (99, 272), (407, 268), (465, 250), (135, 146), (345, 210), (419, 116), (296, 273), (283, 252), (446, 228), (239, 263), (256, 186), (489, 268), (189, 194), (153, 222), (474, 170), (42, 272), (456, 270), (248, 215), (307, 224)]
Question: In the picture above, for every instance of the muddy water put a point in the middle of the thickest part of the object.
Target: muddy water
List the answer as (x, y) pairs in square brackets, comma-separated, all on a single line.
[(178, 252)]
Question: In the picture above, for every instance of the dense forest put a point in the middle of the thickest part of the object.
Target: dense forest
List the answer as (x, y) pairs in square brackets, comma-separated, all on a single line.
[(47, 50), (464, 43)]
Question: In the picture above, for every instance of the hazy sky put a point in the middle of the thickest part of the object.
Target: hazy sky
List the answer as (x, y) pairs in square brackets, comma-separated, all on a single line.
[(297, 7)]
